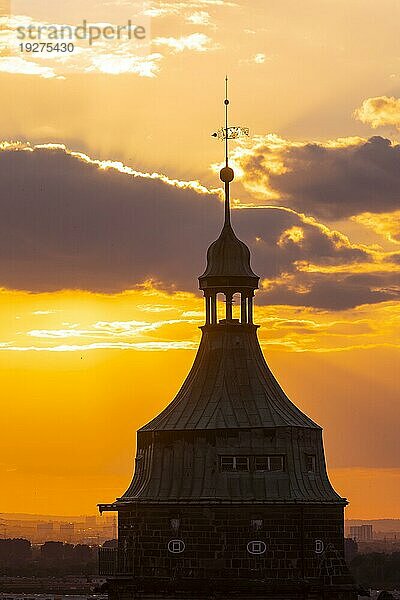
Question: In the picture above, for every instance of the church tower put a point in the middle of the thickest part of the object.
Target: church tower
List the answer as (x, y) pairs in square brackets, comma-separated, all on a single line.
[(230, 494)]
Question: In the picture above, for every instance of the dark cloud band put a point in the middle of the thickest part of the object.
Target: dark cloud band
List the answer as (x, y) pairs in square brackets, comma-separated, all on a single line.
[(330, 181), (65, 223)]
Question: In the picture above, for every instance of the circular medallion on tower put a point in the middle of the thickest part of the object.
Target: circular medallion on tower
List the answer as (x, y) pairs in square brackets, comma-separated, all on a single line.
[(226, 174), (176, 546), (256, 547)]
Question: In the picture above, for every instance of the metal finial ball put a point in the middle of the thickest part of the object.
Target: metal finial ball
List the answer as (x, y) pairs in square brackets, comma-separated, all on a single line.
[(226, 101), (226, 174)]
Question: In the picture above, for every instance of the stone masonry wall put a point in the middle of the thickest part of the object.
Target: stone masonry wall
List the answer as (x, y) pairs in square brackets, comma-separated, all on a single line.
[(303, 547)]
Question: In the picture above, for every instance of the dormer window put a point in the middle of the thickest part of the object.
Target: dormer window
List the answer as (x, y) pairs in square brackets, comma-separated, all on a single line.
[(310, 463), (269, 463), (234, 463), (274, 462), (241, 463)]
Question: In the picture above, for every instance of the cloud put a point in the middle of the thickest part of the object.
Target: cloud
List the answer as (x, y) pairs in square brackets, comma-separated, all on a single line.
[(288, 328), (386, 224), (331, 180), (69, 221), (379, 112), (20, 66), (77, 223), (144, 346), (201, 17), (196, 42), (257, 59), (113, 56), (167, 8), (330, 291), (144, 66), (107, 329)]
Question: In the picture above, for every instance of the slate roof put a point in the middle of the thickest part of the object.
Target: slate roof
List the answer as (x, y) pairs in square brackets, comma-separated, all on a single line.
[(229, 386)]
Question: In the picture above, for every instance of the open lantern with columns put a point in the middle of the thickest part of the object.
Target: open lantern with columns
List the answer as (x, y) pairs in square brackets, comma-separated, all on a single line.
[(228, 272)]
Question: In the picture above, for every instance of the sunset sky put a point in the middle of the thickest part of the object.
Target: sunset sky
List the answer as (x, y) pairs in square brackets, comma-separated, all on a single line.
[(110, 196)]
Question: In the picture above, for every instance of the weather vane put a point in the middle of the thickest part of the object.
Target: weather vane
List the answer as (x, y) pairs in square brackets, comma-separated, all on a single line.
[(228, 133)]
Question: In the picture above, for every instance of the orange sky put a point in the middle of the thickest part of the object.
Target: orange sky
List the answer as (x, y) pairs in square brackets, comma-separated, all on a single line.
[(72, 410), (83, 368)]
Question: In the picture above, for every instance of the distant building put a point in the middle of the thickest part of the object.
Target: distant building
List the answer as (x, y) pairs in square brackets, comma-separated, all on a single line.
[(361, 533), (45, 531), (45, 527), (67, 531)]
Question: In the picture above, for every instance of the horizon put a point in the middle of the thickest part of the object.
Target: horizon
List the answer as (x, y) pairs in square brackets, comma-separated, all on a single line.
[(99, 516)]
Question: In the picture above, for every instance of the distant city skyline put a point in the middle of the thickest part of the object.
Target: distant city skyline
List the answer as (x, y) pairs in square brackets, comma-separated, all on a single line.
[(90, 529)]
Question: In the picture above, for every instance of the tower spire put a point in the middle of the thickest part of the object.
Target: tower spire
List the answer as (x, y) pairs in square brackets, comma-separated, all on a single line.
[(228, 269), (226, 102), (226, 174)]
